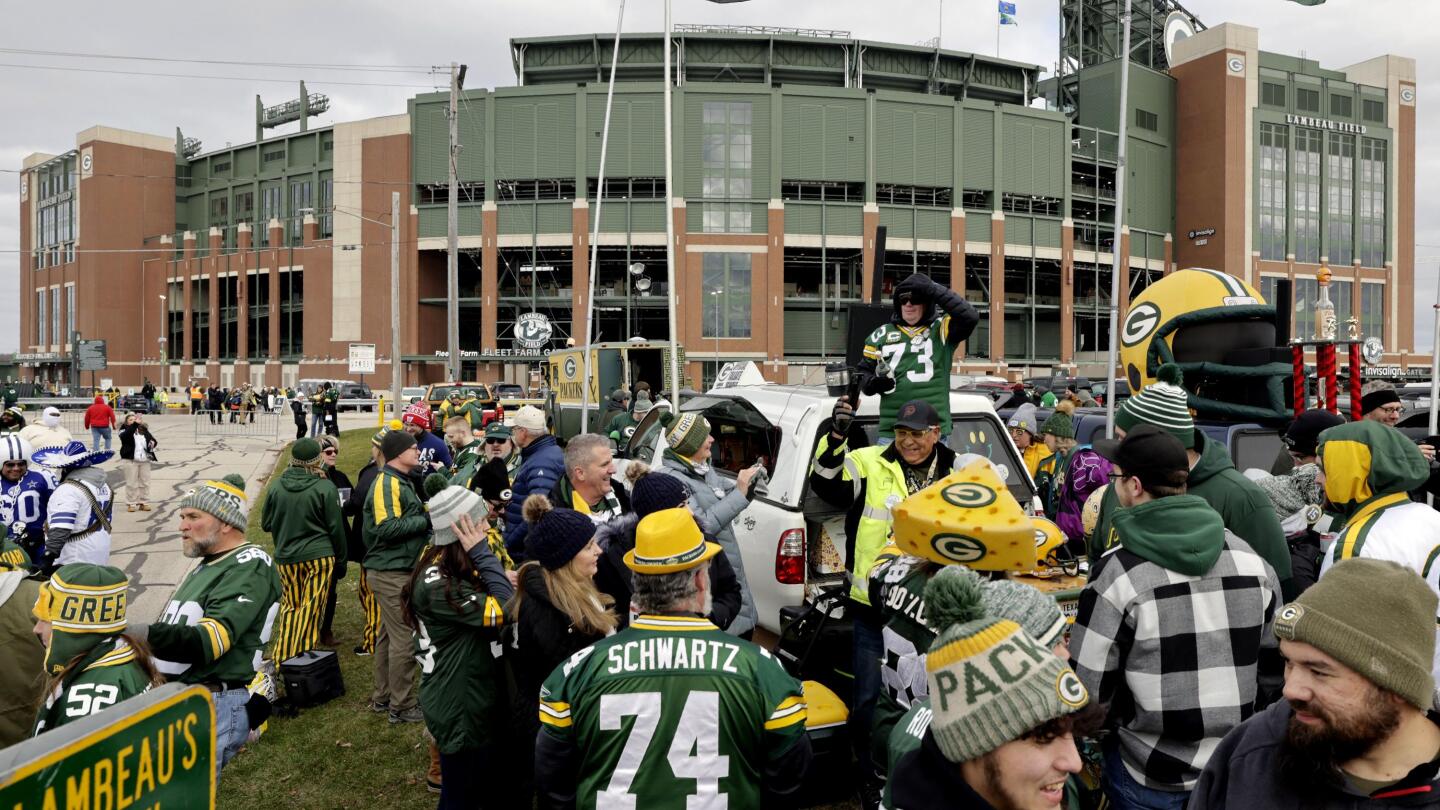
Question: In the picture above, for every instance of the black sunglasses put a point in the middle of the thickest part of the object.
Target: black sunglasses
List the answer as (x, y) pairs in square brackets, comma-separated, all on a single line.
[(496, 441)]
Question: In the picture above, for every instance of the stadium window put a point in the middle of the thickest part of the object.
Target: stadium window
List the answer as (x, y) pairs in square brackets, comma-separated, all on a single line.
[(1145, 119), (1373, 110), (725, 289), (1341, 106), (1372, 202), (1274, 148), (1272, 95), (1307, 195), (1307, 100), (725, 156), (1340, 198)]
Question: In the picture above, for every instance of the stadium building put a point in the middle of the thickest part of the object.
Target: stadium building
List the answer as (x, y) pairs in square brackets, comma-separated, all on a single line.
[(791, 148)]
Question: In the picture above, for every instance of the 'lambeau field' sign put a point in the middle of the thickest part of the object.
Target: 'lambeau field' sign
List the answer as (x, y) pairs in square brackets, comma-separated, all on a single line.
[(152, 752)]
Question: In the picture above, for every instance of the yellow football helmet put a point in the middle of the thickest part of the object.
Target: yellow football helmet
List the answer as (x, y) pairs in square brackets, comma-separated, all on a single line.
[(1219, 332)]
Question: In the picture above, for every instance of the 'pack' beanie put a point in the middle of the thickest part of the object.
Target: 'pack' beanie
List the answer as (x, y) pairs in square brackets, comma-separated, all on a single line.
[(1374, 616), (1163, 404), (225, 499), (394, 443), (979, 702)]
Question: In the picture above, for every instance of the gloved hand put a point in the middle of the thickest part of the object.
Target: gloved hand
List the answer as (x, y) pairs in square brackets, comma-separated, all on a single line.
[(341, 566), (919, 287), (878, 385), (843, 415)]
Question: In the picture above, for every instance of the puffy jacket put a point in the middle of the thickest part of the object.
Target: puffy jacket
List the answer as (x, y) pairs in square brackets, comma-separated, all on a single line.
[(615, 578), (1243, 505), (542, 464), (396, 525), (716, 502), (302, 513), (99, 415), (1248, 769), (869, 482)]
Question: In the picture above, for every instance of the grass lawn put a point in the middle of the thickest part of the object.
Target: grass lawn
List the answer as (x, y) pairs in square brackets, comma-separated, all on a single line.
[(339, 754)]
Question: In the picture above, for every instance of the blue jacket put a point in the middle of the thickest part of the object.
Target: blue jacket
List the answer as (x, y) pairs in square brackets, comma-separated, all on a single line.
[(432, 448), (542, 464)]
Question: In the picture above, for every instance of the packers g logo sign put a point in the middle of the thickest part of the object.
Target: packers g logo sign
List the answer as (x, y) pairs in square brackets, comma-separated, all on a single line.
[(1141, 321), (958, 548), (968, 496), (1070, 690)]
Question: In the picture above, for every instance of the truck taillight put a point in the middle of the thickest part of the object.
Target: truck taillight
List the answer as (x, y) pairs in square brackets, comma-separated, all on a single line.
[(790, 558)]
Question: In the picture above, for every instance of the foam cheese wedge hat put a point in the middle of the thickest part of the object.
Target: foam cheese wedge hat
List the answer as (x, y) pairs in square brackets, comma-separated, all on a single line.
[(967, 517)]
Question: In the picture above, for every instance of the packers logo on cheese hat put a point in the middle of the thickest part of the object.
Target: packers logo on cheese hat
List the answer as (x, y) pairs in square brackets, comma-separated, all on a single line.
[(967, 517), (668, 541)]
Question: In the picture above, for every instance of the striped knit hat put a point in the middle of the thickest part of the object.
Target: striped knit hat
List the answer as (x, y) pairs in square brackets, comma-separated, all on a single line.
[(378, 437), (225, 499), (990, 681), (85, 604), (686, 433), (447, 506), (1163, 404)]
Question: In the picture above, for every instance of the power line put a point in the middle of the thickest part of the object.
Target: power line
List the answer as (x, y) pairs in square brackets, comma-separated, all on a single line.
[(308, 65), (199, 76)]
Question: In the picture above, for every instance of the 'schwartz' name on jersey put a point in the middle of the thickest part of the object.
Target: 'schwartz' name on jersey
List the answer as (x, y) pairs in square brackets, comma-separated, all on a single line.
[(645, 654)]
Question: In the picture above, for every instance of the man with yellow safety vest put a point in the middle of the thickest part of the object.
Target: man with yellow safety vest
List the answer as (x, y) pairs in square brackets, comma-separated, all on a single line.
[(869, 482)]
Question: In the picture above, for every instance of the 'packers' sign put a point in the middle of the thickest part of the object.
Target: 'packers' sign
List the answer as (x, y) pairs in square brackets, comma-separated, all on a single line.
[(154, 751)]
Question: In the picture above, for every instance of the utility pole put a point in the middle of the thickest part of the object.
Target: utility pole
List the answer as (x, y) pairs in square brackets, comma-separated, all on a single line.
[(452, 267), (395, 381), (1112, 357)]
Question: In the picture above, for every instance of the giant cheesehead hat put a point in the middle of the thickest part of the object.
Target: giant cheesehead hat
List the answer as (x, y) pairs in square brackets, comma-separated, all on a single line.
[(969, 517)]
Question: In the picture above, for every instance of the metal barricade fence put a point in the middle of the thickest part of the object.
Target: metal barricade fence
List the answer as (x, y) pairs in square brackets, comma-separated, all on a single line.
[(254, 424)]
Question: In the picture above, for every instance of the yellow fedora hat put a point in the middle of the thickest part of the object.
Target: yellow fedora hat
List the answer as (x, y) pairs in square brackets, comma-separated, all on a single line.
[(668, 541)]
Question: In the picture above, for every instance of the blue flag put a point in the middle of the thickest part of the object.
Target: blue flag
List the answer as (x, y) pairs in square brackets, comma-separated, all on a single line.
[(1007, 13)]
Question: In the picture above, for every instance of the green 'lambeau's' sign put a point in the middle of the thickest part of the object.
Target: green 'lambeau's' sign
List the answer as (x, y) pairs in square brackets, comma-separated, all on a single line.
[(152, 752)]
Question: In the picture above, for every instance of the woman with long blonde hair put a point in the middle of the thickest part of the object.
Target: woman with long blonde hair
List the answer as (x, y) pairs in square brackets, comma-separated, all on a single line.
[(556, 612)]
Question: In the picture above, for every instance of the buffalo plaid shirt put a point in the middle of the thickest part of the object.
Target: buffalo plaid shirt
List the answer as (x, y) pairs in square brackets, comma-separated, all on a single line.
[(1178, 659)]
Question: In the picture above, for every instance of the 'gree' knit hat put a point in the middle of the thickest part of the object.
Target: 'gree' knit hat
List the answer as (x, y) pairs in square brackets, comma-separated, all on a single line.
[(85, 604), (1163, 404), (655, 491), (1374, 616), (990, 681), (685, 433), (225, 499), (1059, 424)]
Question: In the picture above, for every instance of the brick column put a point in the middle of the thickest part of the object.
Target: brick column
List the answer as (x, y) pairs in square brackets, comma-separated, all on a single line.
[(997, 288), (957, 265), (1170, 258), (242, 306), (869, 221), (490, 283), (277, 238), (212, 338)]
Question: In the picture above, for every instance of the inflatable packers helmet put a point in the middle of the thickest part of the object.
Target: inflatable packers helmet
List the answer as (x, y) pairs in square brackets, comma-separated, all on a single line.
[(1220, 332)]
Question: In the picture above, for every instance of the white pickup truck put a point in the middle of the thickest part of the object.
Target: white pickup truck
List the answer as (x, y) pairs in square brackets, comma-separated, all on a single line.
[(791, 539)]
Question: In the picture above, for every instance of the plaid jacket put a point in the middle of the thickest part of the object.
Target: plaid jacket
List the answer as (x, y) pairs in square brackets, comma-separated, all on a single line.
[(1178, 659)]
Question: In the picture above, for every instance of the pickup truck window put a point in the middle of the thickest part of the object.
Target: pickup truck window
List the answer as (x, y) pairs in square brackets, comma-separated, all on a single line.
[(742, 435)]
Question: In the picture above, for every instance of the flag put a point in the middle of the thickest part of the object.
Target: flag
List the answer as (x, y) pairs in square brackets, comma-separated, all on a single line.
[(1007, 13)]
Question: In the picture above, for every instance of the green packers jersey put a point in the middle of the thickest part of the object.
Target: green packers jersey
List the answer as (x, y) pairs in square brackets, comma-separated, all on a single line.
[(219, 620), (457, 642), (919, 360), (108, 674), (467, 460), (672, 713), (898, 589), (905, 736)]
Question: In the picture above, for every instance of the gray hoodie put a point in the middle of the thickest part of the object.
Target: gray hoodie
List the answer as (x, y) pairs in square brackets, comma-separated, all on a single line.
[(716, 503)]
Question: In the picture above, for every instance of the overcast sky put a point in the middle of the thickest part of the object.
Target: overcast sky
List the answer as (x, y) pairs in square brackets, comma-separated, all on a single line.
[(48, 107)]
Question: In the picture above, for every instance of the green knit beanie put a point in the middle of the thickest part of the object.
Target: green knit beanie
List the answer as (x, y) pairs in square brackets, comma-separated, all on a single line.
[(686, 433), (1374, 616), (1038, 613), (225, 499), (1059, 424), (990, 681), (305, 453), (85, 604), (1163, 404)]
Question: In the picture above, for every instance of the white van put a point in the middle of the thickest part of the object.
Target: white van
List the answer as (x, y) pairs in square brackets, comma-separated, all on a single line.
[(792, 541)]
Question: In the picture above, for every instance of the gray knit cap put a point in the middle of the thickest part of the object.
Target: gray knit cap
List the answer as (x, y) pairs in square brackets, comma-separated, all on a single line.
[(446, 508), (1037, 612), (990, 681), (225, 499)]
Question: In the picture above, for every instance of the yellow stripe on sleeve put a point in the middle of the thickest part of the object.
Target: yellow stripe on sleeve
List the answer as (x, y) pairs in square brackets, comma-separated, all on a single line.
[(381, 514), (395, 508), (494, 613), (219, 636)]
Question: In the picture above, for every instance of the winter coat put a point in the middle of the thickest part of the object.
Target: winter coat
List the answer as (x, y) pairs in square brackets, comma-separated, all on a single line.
[(99, 415), (615, 578), (22, 667), (542, 465), (39, 435), (354, 508), (346, 491), (127, 442), (1244, 507), (1246, 770), (302, 511), (716, 502), (395, 524)]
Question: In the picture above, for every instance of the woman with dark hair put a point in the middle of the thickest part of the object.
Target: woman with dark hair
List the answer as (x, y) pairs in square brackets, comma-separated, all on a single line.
[(454, 603), (557, 611), (329, 454), (137, 450), (91, 663)]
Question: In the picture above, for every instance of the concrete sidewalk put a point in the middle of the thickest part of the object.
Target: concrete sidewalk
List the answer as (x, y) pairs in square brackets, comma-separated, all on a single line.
[(146, 545)]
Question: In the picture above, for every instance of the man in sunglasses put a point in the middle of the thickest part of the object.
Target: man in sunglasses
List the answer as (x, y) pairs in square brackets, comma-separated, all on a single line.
[(498, 444)]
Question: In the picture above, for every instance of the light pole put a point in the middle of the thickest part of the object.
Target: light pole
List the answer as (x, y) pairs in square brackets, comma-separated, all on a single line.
[(1112, 357), (164, 322), (394, 225), (717, 294)]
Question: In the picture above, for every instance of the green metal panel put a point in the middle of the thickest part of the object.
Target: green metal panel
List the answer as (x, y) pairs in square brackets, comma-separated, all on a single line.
[(555, 217), (645, 217), (246, 162), (1148, 197), (694, 217), (303, 151), (1019, 230), (916, 144), (824, 139), (839, 219), (1033, 163), (428, 146), (979, 147), (977, 227), (1047, 233), (517, 218), (932, 223), (535, 136), (432, 220), (898, 220), (637, 129), (804, 328)]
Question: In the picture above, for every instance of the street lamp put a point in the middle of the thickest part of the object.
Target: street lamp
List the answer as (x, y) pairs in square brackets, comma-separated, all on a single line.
[(717, 294), (394, 225), (164, 322)]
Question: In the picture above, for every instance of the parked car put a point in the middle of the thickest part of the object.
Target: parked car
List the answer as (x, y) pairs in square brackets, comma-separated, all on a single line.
[(353, 391), (1101, 389), (792, 542), (439, 392), (509, 391)]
